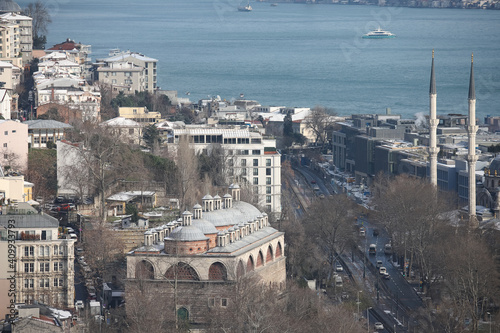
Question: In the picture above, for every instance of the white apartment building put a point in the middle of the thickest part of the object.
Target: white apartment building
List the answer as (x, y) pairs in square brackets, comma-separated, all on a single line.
[(25, 34), (253, 159), (147, 65), (37, 263), (122, 76), (9, 42)]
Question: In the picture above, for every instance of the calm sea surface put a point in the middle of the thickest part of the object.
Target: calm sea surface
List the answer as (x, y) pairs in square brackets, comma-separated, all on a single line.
[(298, 54)]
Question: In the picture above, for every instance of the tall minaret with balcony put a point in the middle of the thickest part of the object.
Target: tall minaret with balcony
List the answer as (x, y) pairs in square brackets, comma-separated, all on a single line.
[(471, 157), (433, 122)]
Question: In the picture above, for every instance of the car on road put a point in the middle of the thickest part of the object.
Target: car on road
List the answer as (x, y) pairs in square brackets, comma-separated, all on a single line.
[(382, 270), (379, 263), (376, 232), (313, 181), (79, 304), (379, 326), (386, 276), (338, 267)]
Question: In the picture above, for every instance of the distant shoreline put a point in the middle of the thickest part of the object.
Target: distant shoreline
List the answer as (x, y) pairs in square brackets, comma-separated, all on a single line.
[(437, 4)]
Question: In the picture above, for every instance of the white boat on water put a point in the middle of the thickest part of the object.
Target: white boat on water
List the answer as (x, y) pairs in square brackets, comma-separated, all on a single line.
[(246, 8), (379, 33)]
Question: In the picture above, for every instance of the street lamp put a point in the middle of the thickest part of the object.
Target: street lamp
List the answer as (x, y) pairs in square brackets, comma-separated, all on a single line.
[(359, 315), (368, 318), (489, 315)]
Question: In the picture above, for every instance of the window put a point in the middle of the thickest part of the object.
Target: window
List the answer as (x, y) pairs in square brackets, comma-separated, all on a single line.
[(268, 180), (32, 283), (223, 302), (5, 156), (255, 172), (6, 132), (268, 171), (29, 251), (113, 81), (56, 250), (243, 162), (268, 189), (44, 267), (256, 152), (255, 162), (26, 268), (5, 145), (130, 131), (268, 162), (243, 172), (211, 301), (256, 181), (268, 199)]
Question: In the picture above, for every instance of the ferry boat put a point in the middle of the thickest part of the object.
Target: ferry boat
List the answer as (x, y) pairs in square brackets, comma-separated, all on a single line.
[(246, 8), (379, 33)]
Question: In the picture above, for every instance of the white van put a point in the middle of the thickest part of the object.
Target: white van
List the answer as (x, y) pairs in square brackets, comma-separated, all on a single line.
[(338, 281)]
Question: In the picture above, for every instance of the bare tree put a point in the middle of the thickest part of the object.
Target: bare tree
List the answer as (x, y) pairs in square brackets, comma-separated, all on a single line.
[(41, 19), (414, 216), (319, 122), (471, 278), (188, 171), (329, 223), (102, 248), (104, 156)]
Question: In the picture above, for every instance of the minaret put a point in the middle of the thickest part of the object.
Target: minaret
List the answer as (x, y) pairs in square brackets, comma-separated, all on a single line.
[(471, 157), (433, 122)]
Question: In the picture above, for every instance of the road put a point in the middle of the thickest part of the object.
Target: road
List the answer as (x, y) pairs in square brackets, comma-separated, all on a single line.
[(394, 299)]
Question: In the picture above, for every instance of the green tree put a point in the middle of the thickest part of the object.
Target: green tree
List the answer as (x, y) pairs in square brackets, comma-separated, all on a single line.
[(41, 19), (151, 136), (42, 171), (51, 114)]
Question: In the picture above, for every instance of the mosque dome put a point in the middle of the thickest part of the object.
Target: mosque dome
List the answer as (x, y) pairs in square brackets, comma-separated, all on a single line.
[(205, 227), (187, 233), (9, 6), (495, 166)]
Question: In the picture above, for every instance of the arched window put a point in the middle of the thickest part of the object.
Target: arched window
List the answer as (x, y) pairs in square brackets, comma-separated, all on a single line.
[(260, 259), (240, 270), (269, 255), (181, 271), (278, 250), (217, 271), (144, 270), (183, 314), (250, 265)]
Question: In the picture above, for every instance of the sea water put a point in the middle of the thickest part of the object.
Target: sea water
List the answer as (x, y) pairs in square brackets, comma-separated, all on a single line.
[(298, 54)]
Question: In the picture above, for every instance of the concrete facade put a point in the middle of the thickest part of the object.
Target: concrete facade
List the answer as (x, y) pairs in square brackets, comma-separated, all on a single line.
[(14, 144), (42, 263)]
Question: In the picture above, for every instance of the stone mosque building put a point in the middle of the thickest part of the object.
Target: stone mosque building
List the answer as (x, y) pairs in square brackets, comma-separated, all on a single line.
[(207, 252)]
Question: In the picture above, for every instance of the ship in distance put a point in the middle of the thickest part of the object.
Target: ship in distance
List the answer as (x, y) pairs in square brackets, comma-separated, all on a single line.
[(379, 33)]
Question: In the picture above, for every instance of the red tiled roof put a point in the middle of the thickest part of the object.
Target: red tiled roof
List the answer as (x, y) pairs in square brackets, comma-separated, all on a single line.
[(66, 46)]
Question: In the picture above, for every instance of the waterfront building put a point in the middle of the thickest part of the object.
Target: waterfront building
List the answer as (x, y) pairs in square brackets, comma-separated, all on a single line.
[(128, 71), (43, 262), (140, 114), (252, 158), (202, 256), (9, 41), (24, 34)]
